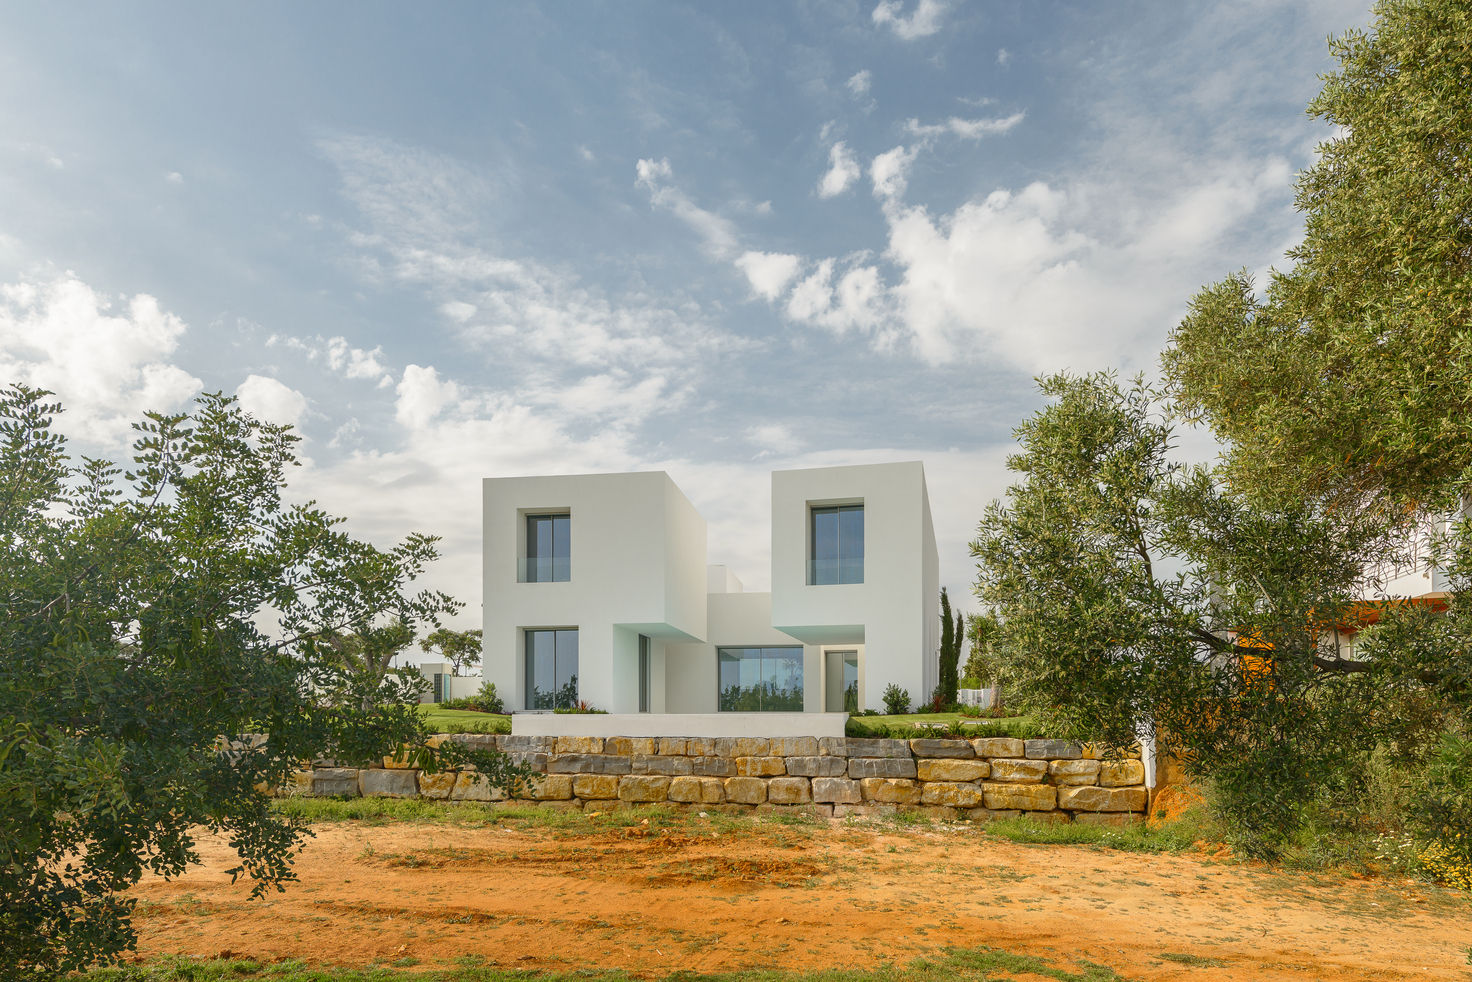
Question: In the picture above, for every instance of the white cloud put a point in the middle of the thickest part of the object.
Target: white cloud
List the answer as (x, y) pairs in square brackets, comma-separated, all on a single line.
[(717, 234), (923, 21), (422, 395), (843, 170), (1004, 57), (858, 83), (966, 129), (587, 154), (458, 310), (769, 272), (269, 399), (108, 362), (889, 171), (856, 303), (773, 438), (174, 177), (355, 362)]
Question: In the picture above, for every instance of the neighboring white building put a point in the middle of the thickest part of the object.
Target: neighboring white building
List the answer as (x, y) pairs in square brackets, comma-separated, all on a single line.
[(597, 589)]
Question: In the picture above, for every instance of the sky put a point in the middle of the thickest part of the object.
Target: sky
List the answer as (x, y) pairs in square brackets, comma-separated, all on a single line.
[(456, 241)]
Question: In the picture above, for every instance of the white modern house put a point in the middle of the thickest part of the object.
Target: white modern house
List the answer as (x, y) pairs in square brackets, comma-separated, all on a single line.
[(597, 589)]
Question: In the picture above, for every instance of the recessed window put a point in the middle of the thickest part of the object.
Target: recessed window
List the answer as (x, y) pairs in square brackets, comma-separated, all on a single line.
[(548, 549), (644, 673), (552, 669), (837, 545), (760, 680)]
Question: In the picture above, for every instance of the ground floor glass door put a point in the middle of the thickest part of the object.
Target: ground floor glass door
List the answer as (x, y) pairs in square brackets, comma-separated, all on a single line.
[(841, 691)]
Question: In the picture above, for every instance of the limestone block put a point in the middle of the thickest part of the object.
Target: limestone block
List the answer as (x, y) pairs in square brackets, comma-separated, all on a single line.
[(953, 794), (742, 746), (628, 746), (536, 760), (1108, 818), (817, 766), (1053, 750), (746, 790), (643, 787), (864, 747), (789, 791), (335, 781), (760, 766), (942, 748), (673, 746), (991, 814), (998, 747), (697, 790), (393, 762), (527, 744), (1121, 773), (436, 739), (794, 747), (833, 746), (712, 766), (1010, 771), (297, 782), (473, 787), (591, 786), (1028, 797), (578, 745), (437, 786), (1049, 818), (1073, 772), (654, 764), (838, 790), (552, 787), (863, 767), (588, 764), (1102, 799), (700, 746), (890, 790), (379, 782), (951, 770)]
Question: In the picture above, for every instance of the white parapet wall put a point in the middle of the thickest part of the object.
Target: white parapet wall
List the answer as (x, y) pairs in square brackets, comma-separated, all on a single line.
[(679, 724)]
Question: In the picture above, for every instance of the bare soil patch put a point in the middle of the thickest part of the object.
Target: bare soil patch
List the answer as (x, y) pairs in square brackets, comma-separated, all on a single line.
[(694, 897)]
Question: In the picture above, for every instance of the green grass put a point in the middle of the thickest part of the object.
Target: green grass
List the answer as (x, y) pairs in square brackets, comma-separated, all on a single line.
[(440, 720), (912, 725), (1169, 837), (971, 965)]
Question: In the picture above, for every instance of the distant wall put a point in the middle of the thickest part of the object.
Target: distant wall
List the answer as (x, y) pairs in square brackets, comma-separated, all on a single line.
[(979, 779)]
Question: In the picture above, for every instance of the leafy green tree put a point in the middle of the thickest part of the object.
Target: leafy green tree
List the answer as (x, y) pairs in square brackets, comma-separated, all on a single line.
[(986, 662), (460, 648), (1148, 597), (133, 665), (366, 654), (1350, 376)]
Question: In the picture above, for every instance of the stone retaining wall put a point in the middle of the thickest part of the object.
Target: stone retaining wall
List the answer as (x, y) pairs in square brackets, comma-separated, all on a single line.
[(983, 778)]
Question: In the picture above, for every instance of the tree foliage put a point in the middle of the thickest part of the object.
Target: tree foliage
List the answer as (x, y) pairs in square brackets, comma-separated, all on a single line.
[(131, 651), (460, 648), (1144, 594), (951, 639), (1350, 376)]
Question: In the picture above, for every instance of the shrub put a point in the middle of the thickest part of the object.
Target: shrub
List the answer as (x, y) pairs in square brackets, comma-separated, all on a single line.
[(484, 701), (896, 700)]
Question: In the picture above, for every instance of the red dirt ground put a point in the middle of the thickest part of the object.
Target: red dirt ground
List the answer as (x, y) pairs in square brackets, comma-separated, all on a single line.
[(698, 897)]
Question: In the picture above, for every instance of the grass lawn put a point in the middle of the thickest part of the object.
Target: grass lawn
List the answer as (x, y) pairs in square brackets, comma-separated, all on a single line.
[(915, 724), (463, 721)]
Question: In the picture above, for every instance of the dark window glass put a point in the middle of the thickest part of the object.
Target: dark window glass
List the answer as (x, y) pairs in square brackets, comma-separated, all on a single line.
[(552, 669), (837, 545), (756, 680), (548, 549), (643, 674)]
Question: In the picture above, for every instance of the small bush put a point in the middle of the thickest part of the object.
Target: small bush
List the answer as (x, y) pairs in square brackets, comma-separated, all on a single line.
[(484, 701), (896, 700)]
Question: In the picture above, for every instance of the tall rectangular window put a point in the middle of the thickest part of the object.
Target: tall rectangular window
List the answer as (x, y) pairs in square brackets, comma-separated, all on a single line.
[(760, 680), (644, 674), (551, 669), (548, 549), (837, 545)]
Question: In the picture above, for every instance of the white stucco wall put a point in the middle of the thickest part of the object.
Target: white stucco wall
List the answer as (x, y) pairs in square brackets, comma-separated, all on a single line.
[(636, 546), (735, 620), (895, 612)]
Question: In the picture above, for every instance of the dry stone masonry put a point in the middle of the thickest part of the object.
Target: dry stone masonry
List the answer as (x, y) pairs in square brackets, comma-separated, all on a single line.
[(991, 777)]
